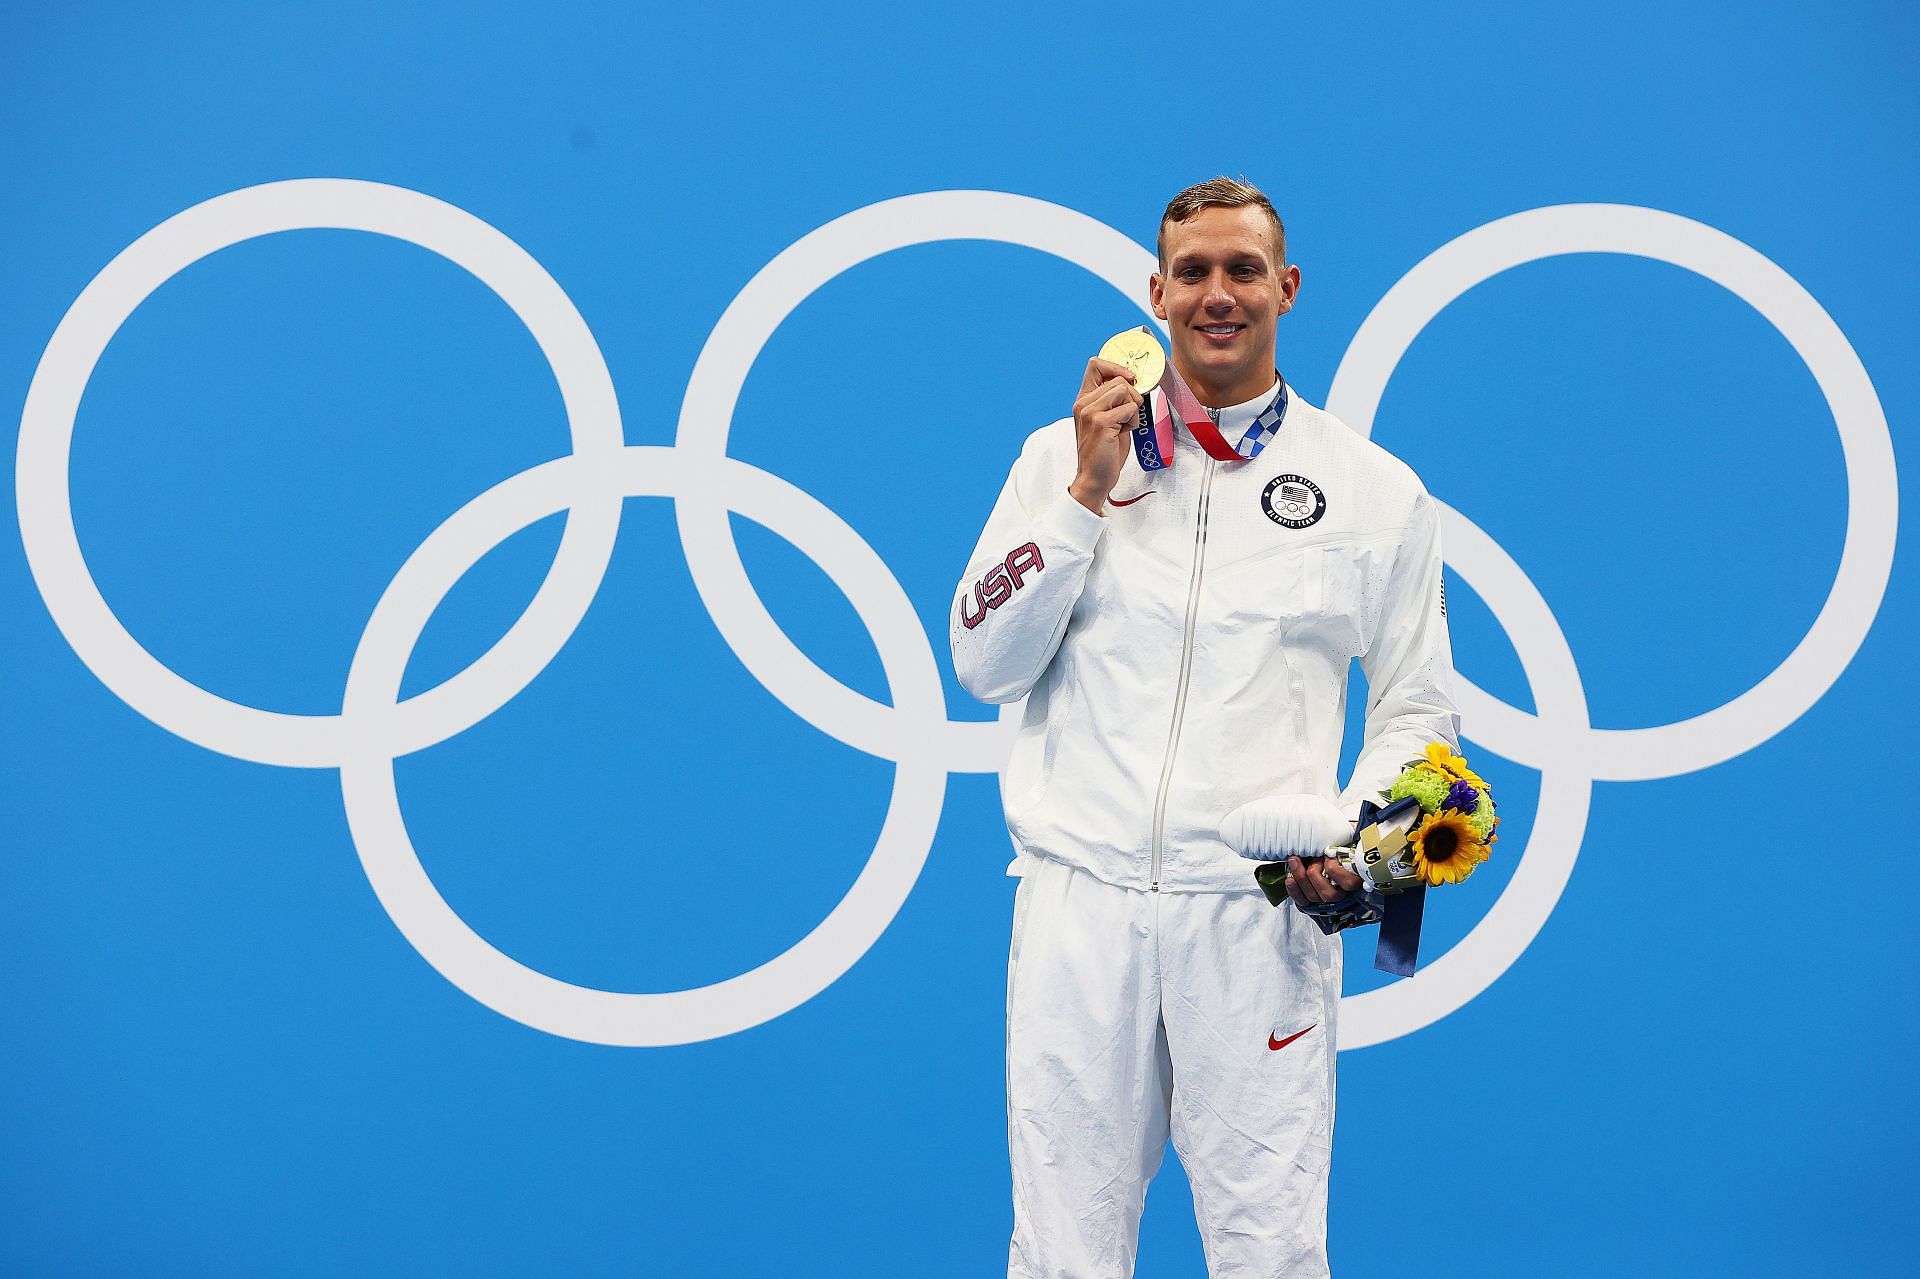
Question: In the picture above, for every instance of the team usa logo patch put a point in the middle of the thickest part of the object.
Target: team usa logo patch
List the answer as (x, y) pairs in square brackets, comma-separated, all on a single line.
[(1293, 500), (1001, 581)]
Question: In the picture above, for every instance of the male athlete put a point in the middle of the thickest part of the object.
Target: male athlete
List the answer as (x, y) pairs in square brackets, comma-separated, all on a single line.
[(1182, 634)]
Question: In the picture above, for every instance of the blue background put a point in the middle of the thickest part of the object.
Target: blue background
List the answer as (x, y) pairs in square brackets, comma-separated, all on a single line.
[(220, 1057)]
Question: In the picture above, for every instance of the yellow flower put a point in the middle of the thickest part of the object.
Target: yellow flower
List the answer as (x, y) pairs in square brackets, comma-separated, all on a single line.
[(1442, 760), (1444, 848)]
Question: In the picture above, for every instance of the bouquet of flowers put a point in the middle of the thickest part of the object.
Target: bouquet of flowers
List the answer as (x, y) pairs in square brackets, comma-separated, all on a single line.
[(1435, 824), (1457, 826)]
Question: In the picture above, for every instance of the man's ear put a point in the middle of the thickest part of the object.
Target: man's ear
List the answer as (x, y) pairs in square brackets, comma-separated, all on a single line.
[(1289, 287), (1157, 295)]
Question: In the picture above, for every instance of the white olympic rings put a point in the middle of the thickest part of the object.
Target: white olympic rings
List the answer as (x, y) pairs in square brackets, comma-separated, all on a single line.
[(53, 401), (374, 727), (1559, 740)]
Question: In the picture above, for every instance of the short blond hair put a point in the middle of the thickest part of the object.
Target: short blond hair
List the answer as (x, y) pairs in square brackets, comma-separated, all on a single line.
[(1219, 193)]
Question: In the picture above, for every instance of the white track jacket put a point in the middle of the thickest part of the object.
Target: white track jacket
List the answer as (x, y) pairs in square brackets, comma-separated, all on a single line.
[(1189, 651)]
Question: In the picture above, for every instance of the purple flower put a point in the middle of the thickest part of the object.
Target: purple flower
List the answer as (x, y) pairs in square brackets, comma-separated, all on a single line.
[(1462, 797)]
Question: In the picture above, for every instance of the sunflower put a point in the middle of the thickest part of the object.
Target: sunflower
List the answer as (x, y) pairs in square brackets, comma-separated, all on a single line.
[(1442, 760), (1445, 849)]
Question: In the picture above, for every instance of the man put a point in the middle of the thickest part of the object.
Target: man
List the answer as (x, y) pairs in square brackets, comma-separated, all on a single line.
[(1182, 635)]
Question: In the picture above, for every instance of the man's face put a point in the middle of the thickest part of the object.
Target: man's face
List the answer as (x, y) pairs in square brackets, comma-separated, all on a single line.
[(1223, 292)]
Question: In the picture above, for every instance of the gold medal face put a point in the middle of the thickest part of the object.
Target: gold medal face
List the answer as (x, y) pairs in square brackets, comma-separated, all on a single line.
[(1137, 350)]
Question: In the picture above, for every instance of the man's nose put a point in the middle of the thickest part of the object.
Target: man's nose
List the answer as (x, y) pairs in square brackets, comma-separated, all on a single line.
[(1218, 296)]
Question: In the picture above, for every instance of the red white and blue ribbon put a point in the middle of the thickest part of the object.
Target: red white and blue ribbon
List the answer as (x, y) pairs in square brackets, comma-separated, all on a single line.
[(1153, 438)]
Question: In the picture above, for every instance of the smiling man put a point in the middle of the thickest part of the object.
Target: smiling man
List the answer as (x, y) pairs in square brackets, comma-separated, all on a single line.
[(1182, 627), (1224, 282)]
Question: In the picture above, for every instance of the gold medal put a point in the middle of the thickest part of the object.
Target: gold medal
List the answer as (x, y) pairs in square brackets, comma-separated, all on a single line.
[(1136, 350)]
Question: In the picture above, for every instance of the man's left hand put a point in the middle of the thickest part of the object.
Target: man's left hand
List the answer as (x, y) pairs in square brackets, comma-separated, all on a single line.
[(1313, 881)]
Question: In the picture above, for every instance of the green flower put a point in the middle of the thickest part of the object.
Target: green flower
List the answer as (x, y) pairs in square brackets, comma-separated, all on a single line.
[(1482, 818), (1429, 787)]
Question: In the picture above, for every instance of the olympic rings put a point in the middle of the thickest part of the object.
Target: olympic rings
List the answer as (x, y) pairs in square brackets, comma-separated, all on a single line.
[(579, 1012), (374, 727), (1559, 740), (706, 416), (53, 400), (1873, 492)]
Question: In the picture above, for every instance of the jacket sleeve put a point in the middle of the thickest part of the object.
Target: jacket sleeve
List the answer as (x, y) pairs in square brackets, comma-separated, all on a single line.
[(1409, 668), (1017, 594)]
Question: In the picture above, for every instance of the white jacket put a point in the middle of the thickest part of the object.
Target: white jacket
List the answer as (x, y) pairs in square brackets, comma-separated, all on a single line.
[(1189, 651)]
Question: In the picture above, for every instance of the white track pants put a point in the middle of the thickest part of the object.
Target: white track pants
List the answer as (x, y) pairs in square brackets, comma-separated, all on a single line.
[(1134, 1015)]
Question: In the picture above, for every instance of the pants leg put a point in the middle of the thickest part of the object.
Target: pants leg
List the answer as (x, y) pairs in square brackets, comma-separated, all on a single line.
[(1250, 995), (1088, 1074)]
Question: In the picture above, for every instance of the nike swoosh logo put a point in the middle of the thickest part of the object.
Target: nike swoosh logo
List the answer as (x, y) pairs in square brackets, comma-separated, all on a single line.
[(1278, 1044), (1128, 501)]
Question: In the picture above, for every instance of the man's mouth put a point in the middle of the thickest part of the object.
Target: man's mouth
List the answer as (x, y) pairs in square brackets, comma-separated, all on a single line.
[(1221, 333)]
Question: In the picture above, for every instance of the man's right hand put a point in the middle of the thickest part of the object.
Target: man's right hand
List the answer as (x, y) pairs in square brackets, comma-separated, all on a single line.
[(1103, 420)]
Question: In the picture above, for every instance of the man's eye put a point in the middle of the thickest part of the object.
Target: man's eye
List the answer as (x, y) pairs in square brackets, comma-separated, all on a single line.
[(1192, 273)]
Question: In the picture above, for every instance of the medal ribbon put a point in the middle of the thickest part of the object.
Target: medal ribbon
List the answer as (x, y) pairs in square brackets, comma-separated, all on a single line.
[(1153, 438)]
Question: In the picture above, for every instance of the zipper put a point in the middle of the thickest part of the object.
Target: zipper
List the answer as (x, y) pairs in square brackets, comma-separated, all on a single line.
[(1186, 667)]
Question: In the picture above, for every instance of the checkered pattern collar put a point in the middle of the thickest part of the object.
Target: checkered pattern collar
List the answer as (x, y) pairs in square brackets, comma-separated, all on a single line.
[(1256, 421)]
